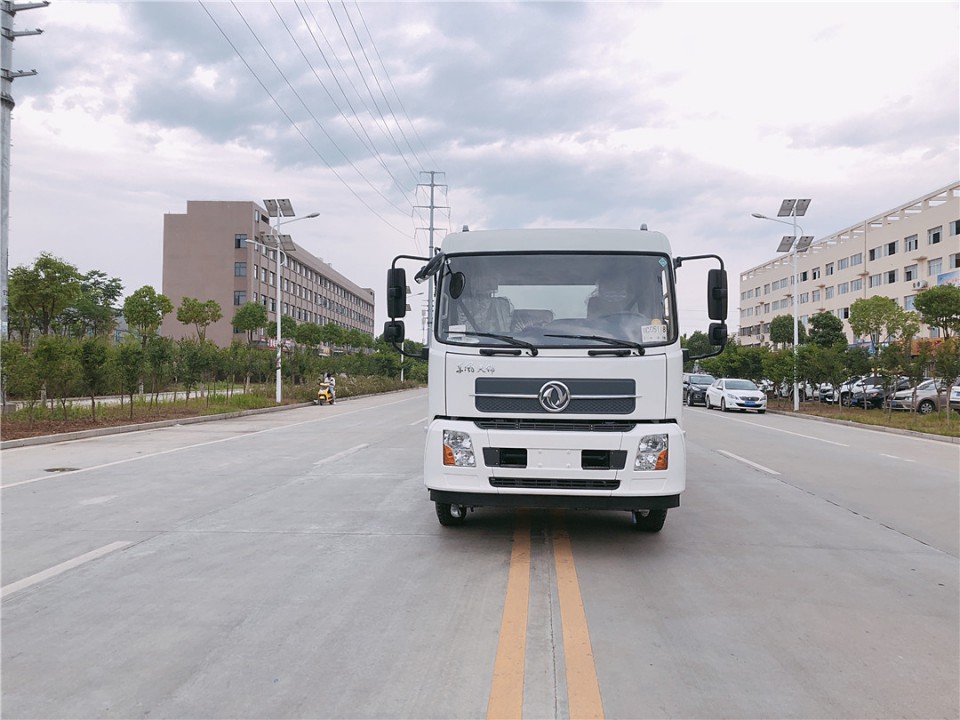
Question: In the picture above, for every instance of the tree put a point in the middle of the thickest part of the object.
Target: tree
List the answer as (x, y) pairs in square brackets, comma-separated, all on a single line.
[(129, 360), (826, 330), (38, 295), (310, 334), (200, 314), (95, 369), (939, 307), (249, 317), (58, 364), (158, 363), (95, 311), (877, 317), (333, 334), (781, 330), (144, 311)]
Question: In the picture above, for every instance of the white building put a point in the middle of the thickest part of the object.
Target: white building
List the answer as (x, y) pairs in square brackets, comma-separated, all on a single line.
[(896, 254)]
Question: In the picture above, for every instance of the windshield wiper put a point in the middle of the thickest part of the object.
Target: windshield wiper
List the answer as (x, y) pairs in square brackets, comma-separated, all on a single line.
[(609, 340), (506, 338)]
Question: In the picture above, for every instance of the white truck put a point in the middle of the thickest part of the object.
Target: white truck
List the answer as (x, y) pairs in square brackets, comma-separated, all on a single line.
[(555, 370)]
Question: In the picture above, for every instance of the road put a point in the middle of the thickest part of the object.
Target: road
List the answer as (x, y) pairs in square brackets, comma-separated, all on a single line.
[(289, 565)]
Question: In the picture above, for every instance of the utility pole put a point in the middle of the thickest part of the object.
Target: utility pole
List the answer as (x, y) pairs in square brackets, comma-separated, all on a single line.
[(7, 76), (432, 207)]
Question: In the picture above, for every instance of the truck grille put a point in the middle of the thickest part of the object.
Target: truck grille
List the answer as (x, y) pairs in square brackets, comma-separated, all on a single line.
[(599, 396), (554, 484)]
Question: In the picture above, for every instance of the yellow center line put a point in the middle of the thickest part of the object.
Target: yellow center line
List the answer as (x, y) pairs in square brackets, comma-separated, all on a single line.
[(506, 691), (583, 690)]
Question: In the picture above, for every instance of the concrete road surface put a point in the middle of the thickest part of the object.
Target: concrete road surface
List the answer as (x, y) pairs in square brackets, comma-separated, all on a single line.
[(289, 565)]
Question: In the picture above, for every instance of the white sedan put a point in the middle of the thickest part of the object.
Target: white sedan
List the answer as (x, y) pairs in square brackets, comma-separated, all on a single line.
[(736, 394)]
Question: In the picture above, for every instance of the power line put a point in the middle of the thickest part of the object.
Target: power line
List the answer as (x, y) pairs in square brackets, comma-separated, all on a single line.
[(293, 123)]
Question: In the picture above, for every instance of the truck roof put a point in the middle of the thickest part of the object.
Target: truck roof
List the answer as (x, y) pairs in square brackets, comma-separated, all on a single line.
[(556, 239)]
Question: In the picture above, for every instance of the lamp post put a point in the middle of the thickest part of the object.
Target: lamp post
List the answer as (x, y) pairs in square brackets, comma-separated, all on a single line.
[(281, 208), (793, 208)]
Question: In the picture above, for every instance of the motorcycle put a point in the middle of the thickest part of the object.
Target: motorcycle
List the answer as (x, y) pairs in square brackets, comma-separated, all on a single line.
[(324, 394)]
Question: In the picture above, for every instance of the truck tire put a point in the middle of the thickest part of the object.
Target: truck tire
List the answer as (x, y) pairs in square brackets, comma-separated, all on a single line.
[(446, 516), (649, 520)]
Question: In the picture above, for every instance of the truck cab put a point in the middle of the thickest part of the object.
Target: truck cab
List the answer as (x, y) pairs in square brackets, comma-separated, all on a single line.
[(555, 372)]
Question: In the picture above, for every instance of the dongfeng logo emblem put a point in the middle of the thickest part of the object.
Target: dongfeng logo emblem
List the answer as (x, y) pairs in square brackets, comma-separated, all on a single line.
[(554, 396)]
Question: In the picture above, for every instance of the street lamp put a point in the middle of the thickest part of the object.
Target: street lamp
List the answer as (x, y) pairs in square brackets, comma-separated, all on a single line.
[(793, 208), (281, 208)]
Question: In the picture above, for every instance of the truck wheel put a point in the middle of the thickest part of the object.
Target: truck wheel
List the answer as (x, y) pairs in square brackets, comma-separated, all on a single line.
[(451, 515), (649, 520)]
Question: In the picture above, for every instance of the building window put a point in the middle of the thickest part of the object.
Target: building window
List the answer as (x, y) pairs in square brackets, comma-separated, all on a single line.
[(843, 288), (955, 227), (908, 302), (954, 261), (891, 276), (766, 288), (828, 268), (874, 253), (828, 293), (910, 243), (815, 273), (239, 297), (816, 296), (876, 280), (910, 272), (856, 259), (934, 267), (804, 298), (843, 263), (239, 241), (844, 313), (892, 248), (804, 275), (239, 269), (856, 285), (933, 235)]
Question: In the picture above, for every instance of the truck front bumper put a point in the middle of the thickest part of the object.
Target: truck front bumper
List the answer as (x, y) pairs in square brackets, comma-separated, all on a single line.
[(568, 468)]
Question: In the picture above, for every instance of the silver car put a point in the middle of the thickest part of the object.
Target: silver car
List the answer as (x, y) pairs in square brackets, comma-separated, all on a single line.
[(927, 397)]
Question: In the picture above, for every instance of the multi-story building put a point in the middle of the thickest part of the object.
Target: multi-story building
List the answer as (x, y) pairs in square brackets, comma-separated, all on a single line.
[(896, 254), (216, 251)]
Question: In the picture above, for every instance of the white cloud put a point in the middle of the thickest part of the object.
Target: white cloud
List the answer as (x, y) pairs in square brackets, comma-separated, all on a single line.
[(685, 116)]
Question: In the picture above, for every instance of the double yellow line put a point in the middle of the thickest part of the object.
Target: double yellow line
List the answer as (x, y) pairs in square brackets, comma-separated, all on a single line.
[(583, 690)]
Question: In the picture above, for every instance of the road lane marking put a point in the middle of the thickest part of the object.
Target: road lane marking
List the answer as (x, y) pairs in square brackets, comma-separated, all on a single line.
[(894, 457), (583, 689), (506, 691), (61, 568), (421, 421), (341, 455), (748, 462), (787, 432)]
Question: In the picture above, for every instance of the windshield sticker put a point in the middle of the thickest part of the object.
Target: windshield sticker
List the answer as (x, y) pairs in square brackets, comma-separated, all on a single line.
[(654, 333), (663, 262), (457, 329)]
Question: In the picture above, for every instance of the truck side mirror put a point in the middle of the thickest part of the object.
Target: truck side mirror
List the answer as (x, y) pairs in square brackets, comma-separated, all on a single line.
[(717, 296), (717, 333), (397, 294), (394, 332)]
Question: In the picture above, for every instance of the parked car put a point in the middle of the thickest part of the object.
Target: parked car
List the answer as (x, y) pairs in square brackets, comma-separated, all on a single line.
[(825, 392), (955, 395), (929, 396), (846, 388), (872, 391), (735, 394), (695, 386)]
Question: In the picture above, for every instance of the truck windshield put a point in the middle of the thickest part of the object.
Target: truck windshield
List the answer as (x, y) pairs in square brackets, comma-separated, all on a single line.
[(557, 299)]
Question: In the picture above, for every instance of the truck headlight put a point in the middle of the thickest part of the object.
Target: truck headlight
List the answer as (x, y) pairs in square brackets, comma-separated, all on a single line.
[(458, 449), (652, 452)]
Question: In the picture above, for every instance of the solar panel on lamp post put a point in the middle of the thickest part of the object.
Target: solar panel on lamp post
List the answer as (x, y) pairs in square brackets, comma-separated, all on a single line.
[(793, 208), (281, 208)]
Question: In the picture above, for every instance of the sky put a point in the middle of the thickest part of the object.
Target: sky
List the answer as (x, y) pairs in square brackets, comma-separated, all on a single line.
[(685, 116)]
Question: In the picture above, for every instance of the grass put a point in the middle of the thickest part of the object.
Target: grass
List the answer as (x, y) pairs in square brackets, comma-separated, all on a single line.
[(945, 422)]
